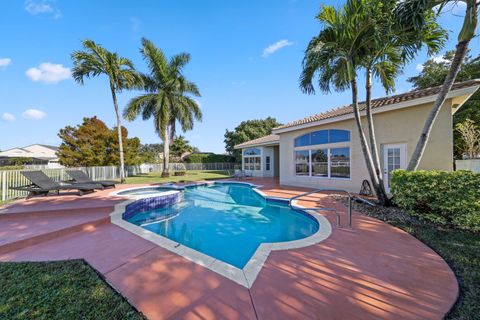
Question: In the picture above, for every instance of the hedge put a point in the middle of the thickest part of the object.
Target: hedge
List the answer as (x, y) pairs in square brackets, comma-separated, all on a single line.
[(442, 197), (208, 158)]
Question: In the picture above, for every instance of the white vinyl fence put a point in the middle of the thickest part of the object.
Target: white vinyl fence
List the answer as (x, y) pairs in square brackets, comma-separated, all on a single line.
[(470, 164), (14, 178)]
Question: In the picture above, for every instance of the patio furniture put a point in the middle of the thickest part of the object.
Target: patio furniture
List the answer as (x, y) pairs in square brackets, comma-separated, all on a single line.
[(42, 185), (81, 177), (242, 174)]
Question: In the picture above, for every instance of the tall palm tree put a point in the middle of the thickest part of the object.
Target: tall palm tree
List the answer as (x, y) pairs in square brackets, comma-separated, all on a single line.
[(389, 49), (334, 54), (361, 35), (168, 99), (412, 13), (94, 61)]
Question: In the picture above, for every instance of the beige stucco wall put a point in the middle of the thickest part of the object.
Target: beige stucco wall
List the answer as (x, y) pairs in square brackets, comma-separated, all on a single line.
[(397, 126)]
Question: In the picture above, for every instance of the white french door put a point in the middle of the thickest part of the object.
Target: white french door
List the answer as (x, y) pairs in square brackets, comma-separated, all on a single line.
[(394, 157)]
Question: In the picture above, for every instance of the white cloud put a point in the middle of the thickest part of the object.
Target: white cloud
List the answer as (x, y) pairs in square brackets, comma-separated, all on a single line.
[(42, 7), (419, 67), (5, 62), (34, 114), (134, 24), (439, 59), (8, 117), (49, 73), (275, 47)]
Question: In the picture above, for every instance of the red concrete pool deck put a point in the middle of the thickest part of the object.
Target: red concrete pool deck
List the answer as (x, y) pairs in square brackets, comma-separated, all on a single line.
[(374, 271)]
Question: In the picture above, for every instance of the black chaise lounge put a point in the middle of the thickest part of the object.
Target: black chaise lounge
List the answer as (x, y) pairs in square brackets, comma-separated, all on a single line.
[(81, 177), (42, 185)]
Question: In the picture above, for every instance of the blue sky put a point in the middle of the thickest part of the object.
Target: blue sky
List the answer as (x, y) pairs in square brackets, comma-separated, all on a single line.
[(246, 59)]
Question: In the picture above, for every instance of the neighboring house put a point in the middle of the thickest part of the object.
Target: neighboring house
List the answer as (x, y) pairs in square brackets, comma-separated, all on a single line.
[(39, 153), (324, 150)]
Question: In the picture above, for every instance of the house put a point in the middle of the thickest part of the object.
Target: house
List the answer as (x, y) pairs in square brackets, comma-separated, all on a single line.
[(40, 154), (324, 150)]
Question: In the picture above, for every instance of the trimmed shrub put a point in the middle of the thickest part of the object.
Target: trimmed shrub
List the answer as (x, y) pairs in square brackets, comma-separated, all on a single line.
[(208, 158), (442, 197)]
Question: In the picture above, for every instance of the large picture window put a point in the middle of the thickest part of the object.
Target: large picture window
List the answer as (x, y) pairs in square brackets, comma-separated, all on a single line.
[(328, 163), (252, 159)]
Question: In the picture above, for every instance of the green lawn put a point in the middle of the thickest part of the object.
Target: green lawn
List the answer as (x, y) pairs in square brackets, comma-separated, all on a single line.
[(58, 290), (459, 248), (191, 175)]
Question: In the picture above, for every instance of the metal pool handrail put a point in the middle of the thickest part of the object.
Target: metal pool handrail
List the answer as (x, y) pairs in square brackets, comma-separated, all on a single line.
[(329, 209)]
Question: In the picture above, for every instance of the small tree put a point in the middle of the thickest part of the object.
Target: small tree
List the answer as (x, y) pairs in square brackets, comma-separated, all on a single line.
[(470, 135), (94, 144), (248, 130), (180, 146)]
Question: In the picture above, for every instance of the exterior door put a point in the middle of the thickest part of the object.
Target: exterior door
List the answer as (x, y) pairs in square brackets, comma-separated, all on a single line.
[(394, 157)]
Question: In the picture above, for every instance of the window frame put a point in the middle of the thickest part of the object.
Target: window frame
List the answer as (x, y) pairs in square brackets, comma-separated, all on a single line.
[(252, 160), (328, 147)]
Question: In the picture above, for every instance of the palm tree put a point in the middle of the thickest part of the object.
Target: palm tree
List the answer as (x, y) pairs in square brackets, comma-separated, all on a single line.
[(94, 61), (361, 35), (412, 13), (180, 146), (168, 99), (334, 55), (391, 47)]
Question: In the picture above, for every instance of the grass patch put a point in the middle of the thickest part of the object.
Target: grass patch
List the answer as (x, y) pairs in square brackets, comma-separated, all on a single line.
[(191, 175), (459, 248), (58, 290)]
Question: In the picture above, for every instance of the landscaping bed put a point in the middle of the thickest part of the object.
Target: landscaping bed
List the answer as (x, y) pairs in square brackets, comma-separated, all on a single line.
[(459, 248), (59, 290)]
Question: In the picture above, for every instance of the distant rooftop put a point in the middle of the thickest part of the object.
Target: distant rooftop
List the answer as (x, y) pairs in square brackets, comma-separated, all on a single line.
[(270, 139)]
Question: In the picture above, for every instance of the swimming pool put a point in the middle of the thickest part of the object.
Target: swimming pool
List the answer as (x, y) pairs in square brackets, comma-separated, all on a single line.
[(227, 227), (226, 221)]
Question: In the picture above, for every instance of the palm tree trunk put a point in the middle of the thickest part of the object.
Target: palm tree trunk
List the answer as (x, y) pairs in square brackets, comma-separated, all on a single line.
[(166, 153), (172, 131), (417, 155), (373, 140), (119, 132), (382, 198)]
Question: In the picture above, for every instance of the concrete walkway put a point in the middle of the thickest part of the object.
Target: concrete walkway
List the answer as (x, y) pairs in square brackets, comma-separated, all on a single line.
[(374, 271)]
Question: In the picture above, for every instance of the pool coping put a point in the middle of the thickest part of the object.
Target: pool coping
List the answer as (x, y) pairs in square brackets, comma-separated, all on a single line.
[(248, 274)]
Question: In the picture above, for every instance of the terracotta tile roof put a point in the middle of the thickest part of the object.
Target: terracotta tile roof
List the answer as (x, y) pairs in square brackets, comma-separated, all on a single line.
[(378, 103), (271, 138)]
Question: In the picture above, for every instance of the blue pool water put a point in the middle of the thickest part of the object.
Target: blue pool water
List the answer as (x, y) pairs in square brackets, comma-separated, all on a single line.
[(226, 221), (144, 191)]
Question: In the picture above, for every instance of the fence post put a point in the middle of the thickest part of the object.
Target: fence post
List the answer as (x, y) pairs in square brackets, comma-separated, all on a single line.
[(4, 185)]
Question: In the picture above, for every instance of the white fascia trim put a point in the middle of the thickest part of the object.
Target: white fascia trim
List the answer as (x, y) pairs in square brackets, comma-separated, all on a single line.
[(399, 105), (262, 144)]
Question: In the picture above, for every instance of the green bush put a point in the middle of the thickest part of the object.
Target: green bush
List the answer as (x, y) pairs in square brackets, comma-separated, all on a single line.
[(5, 168), (446, 198), (208, 158)]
